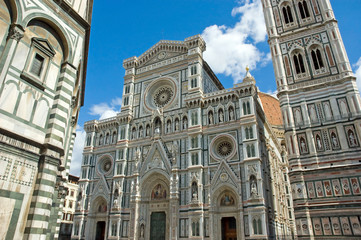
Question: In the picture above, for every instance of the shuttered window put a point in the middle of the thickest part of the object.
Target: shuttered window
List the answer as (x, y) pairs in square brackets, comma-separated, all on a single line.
[(37, 65)]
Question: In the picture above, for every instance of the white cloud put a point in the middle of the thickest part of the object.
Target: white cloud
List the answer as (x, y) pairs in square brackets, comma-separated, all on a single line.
[(273, 93), (231, 49), (105, 110), (77, 151), (358, 74)]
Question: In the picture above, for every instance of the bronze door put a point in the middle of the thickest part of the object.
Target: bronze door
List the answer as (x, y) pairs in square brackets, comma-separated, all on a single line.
[(157, 226), (229, 228), (100, 232)]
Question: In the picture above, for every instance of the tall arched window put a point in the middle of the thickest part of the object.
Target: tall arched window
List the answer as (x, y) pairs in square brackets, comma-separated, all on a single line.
[(248, 108), (299, 63), (302, 6), (317, 58), (114, 138), (287, 14)]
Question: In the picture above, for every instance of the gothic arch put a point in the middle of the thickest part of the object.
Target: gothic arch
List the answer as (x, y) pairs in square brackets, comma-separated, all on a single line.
[(99, 204), (150, 181), (220, 190)]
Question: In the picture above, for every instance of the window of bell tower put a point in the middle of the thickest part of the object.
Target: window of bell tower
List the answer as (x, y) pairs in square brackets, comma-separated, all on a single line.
[(303, 8)]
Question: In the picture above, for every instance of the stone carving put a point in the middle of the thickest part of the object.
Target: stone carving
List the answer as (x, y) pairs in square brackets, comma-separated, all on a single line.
[(210, 118), (168, 127), (334, 140), (221, 116), (194, 191), (141, 132), (351, 138), (147, 131), (253, 186), (174, 152), (176, 125), (141, 232), (163, 96), (156, 163), (185, 123), (231, 114), (16, 32)]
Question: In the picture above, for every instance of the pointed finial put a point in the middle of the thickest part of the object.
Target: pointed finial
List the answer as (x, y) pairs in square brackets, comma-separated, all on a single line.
[(248, 77)]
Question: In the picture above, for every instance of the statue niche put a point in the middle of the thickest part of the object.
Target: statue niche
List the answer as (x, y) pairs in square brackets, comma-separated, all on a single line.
[(159, 192)]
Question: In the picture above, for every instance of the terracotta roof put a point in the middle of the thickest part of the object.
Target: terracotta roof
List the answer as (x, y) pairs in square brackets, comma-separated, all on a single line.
[(271, 107)]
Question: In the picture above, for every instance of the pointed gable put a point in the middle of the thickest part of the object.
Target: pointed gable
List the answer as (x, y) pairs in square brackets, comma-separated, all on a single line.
[(156, 159)]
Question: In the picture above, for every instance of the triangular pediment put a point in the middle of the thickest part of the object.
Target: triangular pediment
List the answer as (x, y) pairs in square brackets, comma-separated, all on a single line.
[(44, 46), (224, 174), (101, 188), (161, 51), (156, 159)]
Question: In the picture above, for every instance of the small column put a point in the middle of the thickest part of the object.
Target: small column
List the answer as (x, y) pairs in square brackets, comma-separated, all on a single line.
[(16, 32)]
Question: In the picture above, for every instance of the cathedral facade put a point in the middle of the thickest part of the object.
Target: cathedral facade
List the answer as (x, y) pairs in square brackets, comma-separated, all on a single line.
[(321, 111), (185, 158), (43, 52)]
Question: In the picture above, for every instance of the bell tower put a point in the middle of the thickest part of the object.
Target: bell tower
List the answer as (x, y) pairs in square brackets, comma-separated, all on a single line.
[(321, 111)]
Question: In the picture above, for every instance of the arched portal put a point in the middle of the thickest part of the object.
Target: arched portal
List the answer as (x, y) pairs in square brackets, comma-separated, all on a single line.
[(226, 214), (98, 219), (154, 207)]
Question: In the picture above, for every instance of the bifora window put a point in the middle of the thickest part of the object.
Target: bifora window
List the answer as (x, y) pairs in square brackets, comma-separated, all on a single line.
[(302, 6), (317, 59), (299, 63), (287, 14)]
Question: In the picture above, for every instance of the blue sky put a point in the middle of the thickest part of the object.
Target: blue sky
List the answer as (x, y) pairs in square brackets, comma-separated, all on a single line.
[(234, 32)]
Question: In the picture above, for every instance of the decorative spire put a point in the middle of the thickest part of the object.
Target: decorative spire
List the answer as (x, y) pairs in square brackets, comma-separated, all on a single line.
[(248, 78)]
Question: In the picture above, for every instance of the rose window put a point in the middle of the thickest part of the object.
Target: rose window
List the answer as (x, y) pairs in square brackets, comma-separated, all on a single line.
[(163, 96), (106, 166), (224, 148)]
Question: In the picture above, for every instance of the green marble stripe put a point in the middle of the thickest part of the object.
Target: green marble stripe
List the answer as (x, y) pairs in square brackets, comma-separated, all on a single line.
[(63, 89), (37, 217), (58, 117), (40, 205), (48, 171), (32, 230), (22, 120), (67, 80), (64, 99), (42, 193), (66, 70), (45, 182), (57, 127), (55, 137), (18, 197), (62, 108)]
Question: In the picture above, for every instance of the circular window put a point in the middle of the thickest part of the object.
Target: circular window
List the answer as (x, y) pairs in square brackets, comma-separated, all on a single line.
[(163, 96), (223, 147), (104, 165), (160, 94)]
